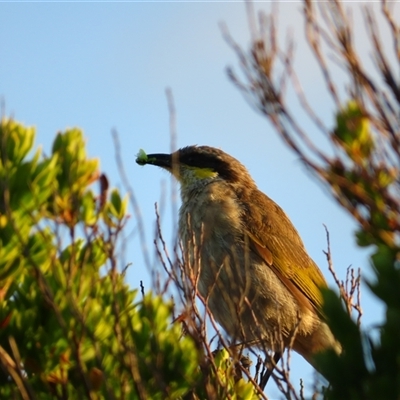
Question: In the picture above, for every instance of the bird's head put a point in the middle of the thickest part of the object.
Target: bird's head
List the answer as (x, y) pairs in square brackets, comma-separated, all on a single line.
[(194, 164)]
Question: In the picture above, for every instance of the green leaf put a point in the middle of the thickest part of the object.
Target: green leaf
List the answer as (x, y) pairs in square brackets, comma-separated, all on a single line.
[(16, 140), (353, 131)]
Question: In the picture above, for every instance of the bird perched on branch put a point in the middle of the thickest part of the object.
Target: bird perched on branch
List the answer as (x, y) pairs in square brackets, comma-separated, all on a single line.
[(254, 271)]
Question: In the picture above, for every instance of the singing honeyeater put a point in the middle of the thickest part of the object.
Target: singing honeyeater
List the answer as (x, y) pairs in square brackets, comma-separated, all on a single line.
[(254, 271)]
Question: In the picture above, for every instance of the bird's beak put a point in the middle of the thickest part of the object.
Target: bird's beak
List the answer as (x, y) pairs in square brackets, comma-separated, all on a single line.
[(166, 161), (160, 160)]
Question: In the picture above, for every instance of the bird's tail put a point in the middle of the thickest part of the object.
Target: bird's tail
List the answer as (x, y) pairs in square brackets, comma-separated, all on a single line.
[(321, 339)]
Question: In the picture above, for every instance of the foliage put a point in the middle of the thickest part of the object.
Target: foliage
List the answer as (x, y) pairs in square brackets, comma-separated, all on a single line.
[(362, 171), (70, 327), (368, 369)]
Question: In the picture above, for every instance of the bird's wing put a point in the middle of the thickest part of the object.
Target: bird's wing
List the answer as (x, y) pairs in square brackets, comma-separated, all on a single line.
[(274, 238)]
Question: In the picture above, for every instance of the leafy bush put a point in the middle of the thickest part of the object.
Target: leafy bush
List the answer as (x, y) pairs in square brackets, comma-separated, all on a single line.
[(70, 327)]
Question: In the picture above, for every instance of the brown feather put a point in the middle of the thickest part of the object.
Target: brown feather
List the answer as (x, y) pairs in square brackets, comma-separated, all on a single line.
[(277, 242), (266, 255)]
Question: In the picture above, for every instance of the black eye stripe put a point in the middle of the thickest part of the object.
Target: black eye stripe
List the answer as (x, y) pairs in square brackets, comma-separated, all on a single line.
[(205, 161), (209, 157), (201, 161)]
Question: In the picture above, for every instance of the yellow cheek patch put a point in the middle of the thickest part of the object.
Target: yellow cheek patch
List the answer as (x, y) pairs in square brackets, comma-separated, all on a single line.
[(204, 173), (191, 174)]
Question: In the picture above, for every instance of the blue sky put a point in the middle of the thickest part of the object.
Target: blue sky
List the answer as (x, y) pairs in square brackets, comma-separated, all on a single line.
[(104, 66)]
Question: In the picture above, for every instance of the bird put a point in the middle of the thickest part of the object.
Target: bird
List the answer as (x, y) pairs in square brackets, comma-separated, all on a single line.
[(253, 270)]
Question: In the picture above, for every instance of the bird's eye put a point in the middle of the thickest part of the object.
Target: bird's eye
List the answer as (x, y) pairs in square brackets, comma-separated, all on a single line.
[(189, 160)]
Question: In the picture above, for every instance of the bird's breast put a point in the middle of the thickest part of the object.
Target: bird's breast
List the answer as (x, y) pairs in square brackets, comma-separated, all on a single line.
[(211, 232), (214, 213)]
